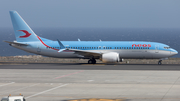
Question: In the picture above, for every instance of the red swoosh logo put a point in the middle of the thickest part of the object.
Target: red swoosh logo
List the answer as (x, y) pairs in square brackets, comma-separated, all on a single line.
[(45, 44), (26, 32)]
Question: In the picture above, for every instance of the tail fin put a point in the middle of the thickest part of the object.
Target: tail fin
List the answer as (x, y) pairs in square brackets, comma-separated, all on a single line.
[(23, 32)]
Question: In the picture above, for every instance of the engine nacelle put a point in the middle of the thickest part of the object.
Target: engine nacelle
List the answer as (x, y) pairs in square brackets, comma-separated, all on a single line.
[(110, 57)]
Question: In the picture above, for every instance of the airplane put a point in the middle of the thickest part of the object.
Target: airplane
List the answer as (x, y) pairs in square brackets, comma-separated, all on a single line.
[(106, 51)]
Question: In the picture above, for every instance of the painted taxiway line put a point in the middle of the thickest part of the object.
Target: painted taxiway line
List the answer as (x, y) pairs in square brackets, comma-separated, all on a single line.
[(69, 74), (20, 89), (7, 84), (46, 91)]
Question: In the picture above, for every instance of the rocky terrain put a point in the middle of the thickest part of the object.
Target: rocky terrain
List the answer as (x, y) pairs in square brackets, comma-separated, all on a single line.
[(41, 59)]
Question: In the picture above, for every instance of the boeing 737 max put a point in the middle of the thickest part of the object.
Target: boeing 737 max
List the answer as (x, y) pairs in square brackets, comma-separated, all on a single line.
[(107, 51)]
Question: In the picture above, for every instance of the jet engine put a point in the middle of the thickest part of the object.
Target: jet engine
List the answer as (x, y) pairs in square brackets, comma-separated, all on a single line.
[(110, 57)]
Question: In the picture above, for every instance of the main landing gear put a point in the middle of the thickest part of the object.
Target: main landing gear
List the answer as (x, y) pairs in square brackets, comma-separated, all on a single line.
[(92, 61), (160, 62)]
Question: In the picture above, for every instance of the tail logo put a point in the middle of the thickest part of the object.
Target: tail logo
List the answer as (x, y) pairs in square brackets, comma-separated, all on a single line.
[(26, 32)]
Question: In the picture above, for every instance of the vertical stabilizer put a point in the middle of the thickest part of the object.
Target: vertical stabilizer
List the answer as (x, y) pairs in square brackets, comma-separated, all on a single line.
[(23, 32)]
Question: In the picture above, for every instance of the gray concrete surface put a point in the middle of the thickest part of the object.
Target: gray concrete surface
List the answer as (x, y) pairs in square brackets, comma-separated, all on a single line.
[(57, 82)]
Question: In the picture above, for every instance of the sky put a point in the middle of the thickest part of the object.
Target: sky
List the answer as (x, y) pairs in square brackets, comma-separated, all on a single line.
[(93, 13)]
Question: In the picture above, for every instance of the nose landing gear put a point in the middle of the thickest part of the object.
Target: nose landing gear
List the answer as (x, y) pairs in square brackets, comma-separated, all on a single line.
[(160, 62), (92, 61)]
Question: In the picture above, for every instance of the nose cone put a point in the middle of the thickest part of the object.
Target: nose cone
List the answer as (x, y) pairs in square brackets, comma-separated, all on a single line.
[(174, 52)]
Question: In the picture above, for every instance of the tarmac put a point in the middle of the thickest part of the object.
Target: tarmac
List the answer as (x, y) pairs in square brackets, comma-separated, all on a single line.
[(86, 82)]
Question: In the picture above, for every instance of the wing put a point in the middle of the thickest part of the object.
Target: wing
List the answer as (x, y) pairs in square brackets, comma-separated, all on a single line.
[(85, 53)]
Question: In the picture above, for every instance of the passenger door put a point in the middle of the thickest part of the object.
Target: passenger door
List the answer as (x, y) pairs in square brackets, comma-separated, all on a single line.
[(156, 48)]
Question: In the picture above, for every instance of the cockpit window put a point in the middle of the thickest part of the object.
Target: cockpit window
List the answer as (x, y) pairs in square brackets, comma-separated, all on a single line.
[(166, 47)]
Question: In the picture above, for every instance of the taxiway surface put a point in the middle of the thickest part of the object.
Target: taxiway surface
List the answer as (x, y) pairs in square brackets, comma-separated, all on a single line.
[(56, 82)]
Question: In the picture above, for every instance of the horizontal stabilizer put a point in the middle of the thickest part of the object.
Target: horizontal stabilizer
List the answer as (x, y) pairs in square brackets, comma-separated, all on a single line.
[(22, 44)]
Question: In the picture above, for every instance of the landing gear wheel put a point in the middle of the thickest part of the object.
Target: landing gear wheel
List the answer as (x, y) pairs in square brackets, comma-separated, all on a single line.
[(160, 62), (92, 61)]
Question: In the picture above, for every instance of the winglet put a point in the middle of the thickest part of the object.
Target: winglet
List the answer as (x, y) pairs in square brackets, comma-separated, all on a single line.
[(79, 39), (62, 48), (60, 44)]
